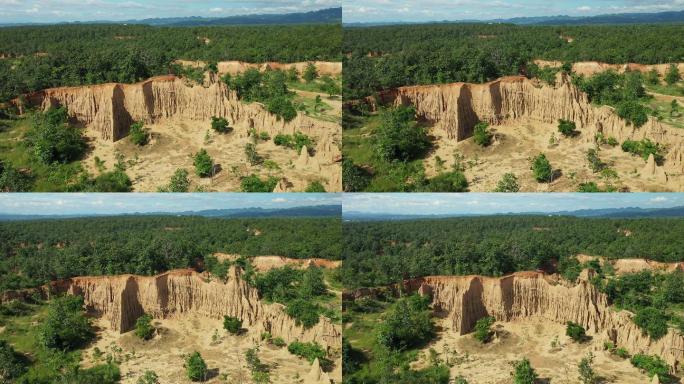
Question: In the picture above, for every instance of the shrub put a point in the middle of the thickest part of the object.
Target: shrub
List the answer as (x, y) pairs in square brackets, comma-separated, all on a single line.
[(204, 165), (12, 364), (195, 367), (264, 136), (260, 371), (149, 377), (139, 134), (304, 312), (448, 182), (408, 324), (179, 182), (508, 183), (220, 125), (481, 135), (622, 352), (310, 73), (567, 128), (644, 148), (523, 373), (398, 137), (51, 139), (252, 156), (115, 181), (672, 75), (575, 332), (296, 141), (65, 326), (309, 351), (354, 178), (315, 186), (143, 327), (595, 162), (282, 107), (652, 321), (589, 187), (541, 169), (483, 333), (253, 183), (278, 342), (232, 324), (652, 365), (586, 371), (633, 112), (12, 180)]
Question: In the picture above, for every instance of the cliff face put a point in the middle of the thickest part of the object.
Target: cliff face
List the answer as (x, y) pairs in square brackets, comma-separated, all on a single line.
[(589, 68), (465, 299), (122, 299), (234, 67), (457, 107)]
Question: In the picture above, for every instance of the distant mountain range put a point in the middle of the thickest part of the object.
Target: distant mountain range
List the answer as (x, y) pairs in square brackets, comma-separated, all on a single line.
[(630, 212), (616, 18), (329, 15), (310, 211)]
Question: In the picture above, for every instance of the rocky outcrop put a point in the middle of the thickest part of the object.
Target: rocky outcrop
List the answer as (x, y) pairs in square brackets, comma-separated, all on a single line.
[(589, 68), (234, 67), (122, 299), (624, 266), (456, 108), (316, 375), (465, 299)]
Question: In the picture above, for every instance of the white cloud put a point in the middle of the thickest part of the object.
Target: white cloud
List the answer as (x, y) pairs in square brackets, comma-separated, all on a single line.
[(584, 8)]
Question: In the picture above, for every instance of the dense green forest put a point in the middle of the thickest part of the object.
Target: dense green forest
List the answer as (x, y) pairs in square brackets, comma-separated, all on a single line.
[(390, 56), (379, 253), (35, 252), (49, 56)]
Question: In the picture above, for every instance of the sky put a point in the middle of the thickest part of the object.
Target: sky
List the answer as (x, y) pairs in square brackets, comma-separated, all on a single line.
[(117, 203), (493, 203), (438, 10), (52, 11)]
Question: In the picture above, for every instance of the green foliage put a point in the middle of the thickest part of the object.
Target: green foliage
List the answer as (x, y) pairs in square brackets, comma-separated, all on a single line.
[(195, 367), (296, 141), (179, 182), (621, 352), (269, 88), (398, 137), (595, 162), (447, 182), (149, 377), (220, 125), (65, 326), (481, 135), (12, 364), (508, 183), (278, 342), (653, 77), (589, 187), (52, 140), (252, 156), (575, 332), (309, 351), (102, 374), (567, 127), (143, 327), (13, 180), (644, 148), (408, 324), (570, 268), (260, 371), (653, 321), (652, 365), (139, 134), (253, 183), (632, 111), (310, 73), (586, 370), (114, 181), (672, 75), (315, 187), (232, 324), (483, 332), (354, 178), (204, 165), (546, 74), (523, 373), (541, 169), (349, 363)]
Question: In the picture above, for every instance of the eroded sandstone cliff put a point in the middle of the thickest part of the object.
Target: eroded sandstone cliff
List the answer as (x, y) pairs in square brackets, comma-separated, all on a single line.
[(465, 299), (589, 68), (234, 67)]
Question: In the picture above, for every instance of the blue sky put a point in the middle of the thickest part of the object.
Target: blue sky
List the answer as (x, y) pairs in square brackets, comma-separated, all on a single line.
[(492, 203), (432, 10), (115, 203), (12, 11)]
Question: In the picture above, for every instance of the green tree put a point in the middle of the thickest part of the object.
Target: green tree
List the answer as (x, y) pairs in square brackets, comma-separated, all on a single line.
[(567, 127), (483, 332), (523, 373), (541, 169), (586, 371), (204, 165), (12, 364), (354, 178), (51, 139), (653, 77), (672, 75), (179, 182), (292, 74), (508, 183), (65, 326), (575, 332), (408, 324), (653, 321), (674, 108), (139, 134), (252, 156), (149, 377), (398, 137), (232, 324), (13, 180), (220, 125), (652, 365), (196, 368), (448, 182), (253, 183), (481, 135), (114, 181), (310, 73), (143, 327)]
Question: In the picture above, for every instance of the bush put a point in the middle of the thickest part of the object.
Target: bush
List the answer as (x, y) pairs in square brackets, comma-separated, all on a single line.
[(278, 342), (672, 75), (179, 182), (296, 141), (65, 326), (408, 324), (143, 327), (232, 324), (480, 135), (315, 186), (652, 365), (253, 183), (115, 181), (567, 128), (204, 165), (633, 112), (589, 187), (575, 332), (220, 125), (586, 370), (508, 183), (252, 156), (652, 321), (398, 137), (310, 73), (138, 134), (149, 377), (483, 333), (541, 169), (196, 367), (12, 180), (644, 148), (304, 312), (622, 352), (309, 351), (448, 182), (523, 373), (282, 107), (595, 162), (51, 139), (354, 178), (12, 364)]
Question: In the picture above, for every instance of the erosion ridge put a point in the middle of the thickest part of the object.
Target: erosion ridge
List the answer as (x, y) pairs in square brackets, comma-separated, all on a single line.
[(465, 299), (457, 107), (589, 68), (234, 67), (123, 298)]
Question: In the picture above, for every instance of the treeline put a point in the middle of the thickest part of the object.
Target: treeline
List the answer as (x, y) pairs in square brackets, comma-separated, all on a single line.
[(390, 56), (379, 253), (52, 56), (35, 252)]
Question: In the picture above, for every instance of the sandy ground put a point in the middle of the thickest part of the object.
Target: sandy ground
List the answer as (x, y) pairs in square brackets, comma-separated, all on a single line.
[(532, 338), (514, 145), (174, 141), (164, 354)]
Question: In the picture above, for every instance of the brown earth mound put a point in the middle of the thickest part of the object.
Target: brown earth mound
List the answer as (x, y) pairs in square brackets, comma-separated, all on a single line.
[(624, 266), (589, 68)]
